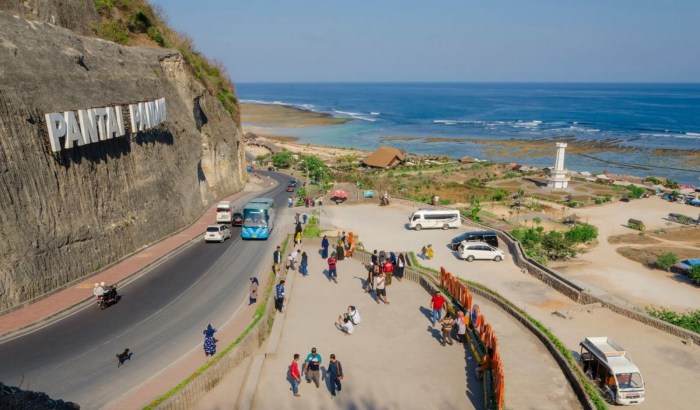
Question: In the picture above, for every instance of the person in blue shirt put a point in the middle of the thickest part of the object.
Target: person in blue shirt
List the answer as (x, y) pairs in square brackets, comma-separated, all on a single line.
[(279, 296), (335, 372)]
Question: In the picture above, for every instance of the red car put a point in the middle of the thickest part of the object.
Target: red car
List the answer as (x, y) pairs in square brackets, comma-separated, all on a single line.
[(290, 188), (237, 219)]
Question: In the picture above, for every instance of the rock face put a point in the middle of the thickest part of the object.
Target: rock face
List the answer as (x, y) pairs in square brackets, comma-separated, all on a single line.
[(66, 214)]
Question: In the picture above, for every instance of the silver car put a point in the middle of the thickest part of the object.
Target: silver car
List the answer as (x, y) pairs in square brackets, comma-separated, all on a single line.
[(218, 233)]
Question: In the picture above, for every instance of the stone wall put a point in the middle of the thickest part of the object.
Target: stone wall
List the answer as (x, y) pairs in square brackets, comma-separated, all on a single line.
[(70, 213)]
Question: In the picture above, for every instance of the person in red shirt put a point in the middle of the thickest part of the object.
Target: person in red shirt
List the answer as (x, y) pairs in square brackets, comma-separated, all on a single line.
[(388, 271), (332, 273), (294, 375), (436, 304)]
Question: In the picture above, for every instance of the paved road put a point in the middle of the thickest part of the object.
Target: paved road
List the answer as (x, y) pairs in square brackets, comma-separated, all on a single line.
[(160, 318)]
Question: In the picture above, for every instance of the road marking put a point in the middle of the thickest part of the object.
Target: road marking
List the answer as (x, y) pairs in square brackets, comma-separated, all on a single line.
[(84, 286), (144, 255)]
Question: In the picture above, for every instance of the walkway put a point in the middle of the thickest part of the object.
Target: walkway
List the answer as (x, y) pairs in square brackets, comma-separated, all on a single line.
[(392, 361)]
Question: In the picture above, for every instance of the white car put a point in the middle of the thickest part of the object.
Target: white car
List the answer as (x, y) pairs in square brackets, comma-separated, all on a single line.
[(480, 250), (217, 233)]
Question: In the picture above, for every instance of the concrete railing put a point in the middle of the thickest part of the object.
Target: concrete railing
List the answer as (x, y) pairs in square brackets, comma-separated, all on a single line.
[(559, 283)]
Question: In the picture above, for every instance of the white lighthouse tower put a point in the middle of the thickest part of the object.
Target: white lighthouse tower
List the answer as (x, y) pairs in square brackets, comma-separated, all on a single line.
[(559, 177)]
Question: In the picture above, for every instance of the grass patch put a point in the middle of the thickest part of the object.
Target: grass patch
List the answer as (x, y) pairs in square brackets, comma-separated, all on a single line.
[(257, 315), (592, 392), (689, 320), (312, 229)]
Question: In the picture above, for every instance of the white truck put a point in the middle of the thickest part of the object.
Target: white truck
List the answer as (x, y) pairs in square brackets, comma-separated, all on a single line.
[(224, 212), (611, 369)]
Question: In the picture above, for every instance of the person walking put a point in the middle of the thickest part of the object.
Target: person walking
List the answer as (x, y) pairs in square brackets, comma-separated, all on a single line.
[(253, 293), (388, 271), (436, 303), (304, 218), (335, 372), (375, 257), (371, 272), (279, 296), (289, 202), (304, 265), (297, 239), (296, 218), (290, 262), (209, 341), (294, 375), (381, 289), (277, 260), (312, 364), (340, 250), (400, 264), (446, 326), (325, 243), (462, 323), (332, 272)]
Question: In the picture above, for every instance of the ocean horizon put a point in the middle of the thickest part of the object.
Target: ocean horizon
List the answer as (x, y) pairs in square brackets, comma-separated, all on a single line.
[(639, 129)]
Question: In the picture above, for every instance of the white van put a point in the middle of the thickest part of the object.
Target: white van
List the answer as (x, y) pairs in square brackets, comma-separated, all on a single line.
[(611, 369), (480, 250), (434, 218), (224, 212)]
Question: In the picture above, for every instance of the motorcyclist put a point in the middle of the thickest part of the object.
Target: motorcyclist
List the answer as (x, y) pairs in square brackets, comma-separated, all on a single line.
[(110, 292), (385, 198), (98, 290)]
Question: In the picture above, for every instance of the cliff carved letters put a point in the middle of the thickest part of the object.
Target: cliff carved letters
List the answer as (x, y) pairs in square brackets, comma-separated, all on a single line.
[(100, 124)]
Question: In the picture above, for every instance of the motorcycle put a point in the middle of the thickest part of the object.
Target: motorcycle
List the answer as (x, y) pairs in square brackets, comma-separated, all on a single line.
[(108, 298), (384, 201)]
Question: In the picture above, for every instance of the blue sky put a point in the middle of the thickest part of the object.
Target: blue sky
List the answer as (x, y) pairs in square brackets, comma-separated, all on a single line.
[(446, 40)]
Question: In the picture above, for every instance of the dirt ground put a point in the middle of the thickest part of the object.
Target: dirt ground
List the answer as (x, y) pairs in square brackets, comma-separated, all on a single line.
[(534, 185)]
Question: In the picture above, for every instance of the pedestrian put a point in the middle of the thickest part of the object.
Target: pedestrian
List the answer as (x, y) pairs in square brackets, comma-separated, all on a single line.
[(400, 265), (345, 324), (296, 218), (298, 228), (297, 239), (320, 202), (304, 218), (424, 252), (344, 239), (388, 271), (279, 296), (446, 326), (332, 272), (375, 257), (335, 371), (312, 365), (484, 364), (277, 260), (429, 252), (381, 289), (209, 341), (462, 322), (436, 303), (340, 250), (324, 247), (295, 257), (382, 258), (392, 258), (253, 294), (353, 314), (290, 262), (304, 265), (372, 270), (289, 202), (294, 375)]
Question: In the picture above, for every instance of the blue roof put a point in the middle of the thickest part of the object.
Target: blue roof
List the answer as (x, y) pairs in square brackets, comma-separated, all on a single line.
[(689, 263)]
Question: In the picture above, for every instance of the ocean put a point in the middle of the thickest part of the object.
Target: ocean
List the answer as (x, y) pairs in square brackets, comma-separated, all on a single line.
[(635, 129)]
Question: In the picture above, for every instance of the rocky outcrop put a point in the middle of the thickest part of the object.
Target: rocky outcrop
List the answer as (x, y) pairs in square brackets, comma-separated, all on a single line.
[(78, 16), (16, 398), (68, 213)]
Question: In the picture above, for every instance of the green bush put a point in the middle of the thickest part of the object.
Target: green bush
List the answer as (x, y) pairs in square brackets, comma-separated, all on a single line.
[(582, 233), (689, 320), (114, 31), (694, 274), (666, 260), (636, 191), (104, 7), (282, 159), (154, 34)]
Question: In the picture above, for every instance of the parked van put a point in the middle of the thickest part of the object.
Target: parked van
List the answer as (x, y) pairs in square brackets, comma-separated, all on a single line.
[(635, 224), (480, 250), (224, 212), (434, 218), (611, 369), (489, 237)]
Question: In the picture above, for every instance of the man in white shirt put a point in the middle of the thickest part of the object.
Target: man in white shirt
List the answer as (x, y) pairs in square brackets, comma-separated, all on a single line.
[(98, 290), (345, 325), (353, 314)]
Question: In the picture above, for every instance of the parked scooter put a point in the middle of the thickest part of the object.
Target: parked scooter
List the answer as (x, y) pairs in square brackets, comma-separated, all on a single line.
[(108, 298)]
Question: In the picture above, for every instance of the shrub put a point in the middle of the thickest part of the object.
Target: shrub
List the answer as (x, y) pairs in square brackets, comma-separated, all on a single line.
[(689, 320), (636, 191), (582, 233), (154, 34), (113, 31), (282, 159), (666, 260), (104, 7), (694, 274)]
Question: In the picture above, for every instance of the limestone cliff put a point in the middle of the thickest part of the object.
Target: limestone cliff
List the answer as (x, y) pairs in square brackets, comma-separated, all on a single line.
[(66, 214)]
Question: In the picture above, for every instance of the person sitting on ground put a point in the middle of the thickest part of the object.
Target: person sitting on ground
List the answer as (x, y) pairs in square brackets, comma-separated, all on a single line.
[(429, 252), (345, 324), (484, 364), (424, 252), (353, 314)]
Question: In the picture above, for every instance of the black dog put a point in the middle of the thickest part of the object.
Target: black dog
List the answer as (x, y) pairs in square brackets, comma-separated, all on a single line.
[(122, 357)]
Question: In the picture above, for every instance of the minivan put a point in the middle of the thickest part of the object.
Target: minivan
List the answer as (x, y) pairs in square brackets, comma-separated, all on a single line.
[(434, 218), (480, 250), (612, 371), (224, 211), (489, 237)]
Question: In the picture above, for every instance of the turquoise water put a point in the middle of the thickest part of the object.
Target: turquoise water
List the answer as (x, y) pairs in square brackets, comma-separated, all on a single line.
[(641, 116)]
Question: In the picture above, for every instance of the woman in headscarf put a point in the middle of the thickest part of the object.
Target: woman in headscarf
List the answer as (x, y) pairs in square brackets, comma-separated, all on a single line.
[(303, 266), (324, 247), (400, 264), (209, 341), (253, 294), (461, 324), (340, 250)]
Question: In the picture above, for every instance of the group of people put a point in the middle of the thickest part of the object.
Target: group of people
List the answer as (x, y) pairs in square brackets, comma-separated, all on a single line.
[(348, 320), (427, 252), (311, 371), (344, 247), (381, 271)]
